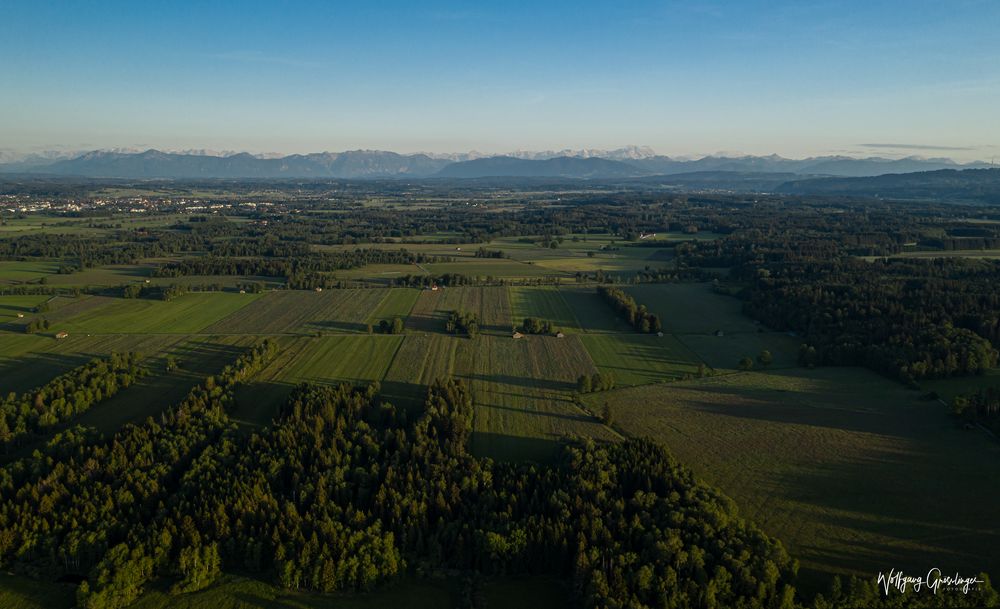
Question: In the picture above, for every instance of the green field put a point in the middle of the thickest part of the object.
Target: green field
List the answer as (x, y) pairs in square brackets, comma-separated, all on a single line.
[(421, 360), (591, 312), (326, 360), (12, 306), (542, 302), (17, 272), (491, 304), (852, 471), (186, 314), (398, 302), (637, 359), (695, 314), (523, 393), (296, 312)]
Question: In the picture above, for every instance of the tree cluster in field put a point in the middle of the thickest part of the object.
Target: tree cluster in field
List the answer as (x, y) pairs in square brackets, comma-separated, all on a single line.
[(485, 253), (462, 322), (533, 325), (982, 406), (385, 326), (66, 396), (599, 381), (37, 325), (636, 315)]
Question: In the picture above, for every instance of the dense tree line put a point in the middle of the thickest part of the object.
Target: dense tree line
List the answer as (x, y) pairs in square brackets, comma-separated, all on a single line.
[(636, 315), (911, 319), (286, 267), (66, 396), (87, 505)]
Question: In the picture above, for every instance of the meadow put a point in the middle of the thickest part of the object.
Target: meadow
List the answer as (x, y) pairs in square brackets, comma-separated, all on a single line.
[(853, 472), (523, 392), (638, 359), (490, 304), (297, 311), (542, 302), (187, 314), (356, 360), (712, 325)]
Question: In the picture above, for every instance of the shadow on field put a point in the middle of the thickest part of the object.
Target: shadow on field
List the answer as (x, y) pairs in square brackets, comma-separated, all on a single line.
[(24, 372), (502, 447), (338, 326), (520, 381), (536, 413)]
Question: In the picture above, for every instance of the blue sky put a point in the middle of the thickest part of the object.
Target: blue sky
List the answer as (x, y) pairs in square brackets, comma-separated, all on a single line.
[(795, 78)]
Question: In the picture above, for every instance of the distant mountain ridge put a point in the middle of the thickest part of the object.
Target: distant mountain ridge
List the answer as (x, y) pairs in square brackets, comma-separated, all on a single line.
[(629, 161)]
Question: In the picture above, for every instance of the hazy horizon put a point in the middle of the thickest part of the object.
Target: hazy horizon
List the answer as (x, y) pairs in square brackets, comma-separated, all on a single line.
[(891, 79)]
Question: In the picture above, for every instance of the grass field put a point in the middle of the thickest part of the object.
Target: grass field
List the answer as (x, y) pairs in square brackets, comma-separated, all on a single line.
[(591, 312), (11, 306), (17, 272), (296, 311), (34, 360), (421, 360), (854, 473), (523, 395), (398, 302), (326, 360), (189, 313), (543, 302), (489, 267), (491, 304), (637, 359), (693, 312)]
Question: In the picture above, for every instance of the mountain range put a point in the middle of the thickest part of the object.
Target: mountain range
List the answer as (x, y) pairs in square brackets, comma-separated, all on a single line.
[(632, 161)]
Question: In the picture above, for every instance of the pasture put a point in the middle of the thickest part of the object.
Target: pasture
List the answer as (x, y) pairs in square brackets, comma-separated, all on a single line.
[(853, 472), (695, 313), (186, 314), (398, 302), (328, 360), (26, 271), (523, 392), (637, 359), (12, 306), (27, 361), (298, 311), (491, 304), (542, 302), (591, 312)]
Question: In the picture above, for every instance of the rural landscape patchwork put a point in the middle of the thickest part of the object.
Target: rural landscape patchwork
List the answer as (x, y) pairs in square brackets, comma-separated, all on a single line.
[(662, 304), (457, 394)]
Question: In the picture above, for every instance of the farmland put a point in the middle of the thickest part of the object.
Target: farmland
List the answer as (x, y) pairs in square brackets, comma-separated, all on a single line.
[(542, 302), (847, 468), (186, 314), (490, 304), (852, 471), (637, 359)]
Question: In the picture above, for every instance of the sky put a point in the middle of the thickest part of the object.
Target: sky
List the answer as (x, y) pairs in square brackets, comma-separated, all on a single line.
[(796, 78)]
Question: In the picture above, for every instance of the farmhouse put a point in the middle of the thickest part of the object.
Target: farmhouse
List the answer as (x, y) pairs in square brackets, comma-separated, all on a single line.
[(560, 335), (517, 334), (62, 334)]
